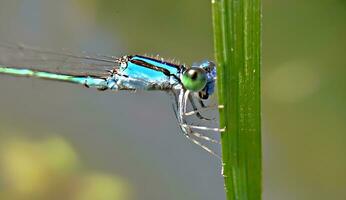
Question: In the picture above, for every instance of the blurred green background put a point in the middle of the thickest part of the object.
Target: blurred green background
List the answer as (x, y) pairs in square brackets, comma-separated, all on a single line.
[(60, 141)]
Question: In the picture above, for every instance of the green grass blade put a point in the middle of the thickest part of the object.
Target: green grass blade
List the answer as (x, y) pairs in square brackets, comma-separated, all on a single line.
[(237, 38)]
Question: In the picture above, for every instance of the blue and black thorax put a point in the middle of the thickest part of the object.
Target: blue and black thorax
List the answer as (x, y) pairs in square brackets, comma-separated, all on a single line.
[(151, 73)]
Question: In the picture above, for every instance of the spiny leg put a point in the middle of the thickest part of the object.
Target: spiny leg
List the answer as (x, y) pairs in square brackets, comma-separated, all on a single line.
[(203, 146), (181, 106), (196, 110), (204, 128), (203, 109), (187, 133), (202, 103), (196, 134), (185, 99), (206, 138), (183, 102)]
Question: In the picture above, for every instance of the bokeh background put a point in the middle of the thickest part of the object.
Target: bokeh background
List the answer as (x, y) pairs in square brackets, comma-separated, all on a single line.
[(61, 141)]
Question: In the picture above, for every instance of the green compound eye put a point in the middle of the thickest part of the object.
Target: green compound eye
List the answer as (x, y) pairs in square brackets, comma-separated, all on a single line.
[(194, 79)]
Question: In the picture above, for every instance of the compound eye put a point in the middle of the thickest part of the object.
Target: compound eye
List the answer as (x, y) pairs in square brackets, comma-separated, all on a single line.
[(194, 79)]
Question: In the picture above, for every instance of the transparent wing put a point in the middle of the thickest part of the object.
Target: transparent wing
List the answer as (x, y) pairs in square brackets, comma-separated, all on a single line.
[(63, 62)]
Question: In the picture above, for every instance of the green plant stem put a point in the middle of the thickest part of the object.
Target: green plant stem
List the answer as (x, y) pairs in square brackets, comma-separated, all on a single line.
[(237, 38)]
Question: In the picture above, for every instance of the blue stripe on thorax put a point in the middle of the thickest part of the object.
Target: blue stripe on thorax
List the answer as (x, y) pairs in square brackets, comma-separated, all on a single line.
[(172, 68), (143, 68)]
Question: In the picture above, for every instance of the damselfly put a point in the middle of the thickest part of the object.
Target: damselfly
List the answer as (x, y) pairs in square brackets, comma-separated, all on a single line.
[(187, 85)]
